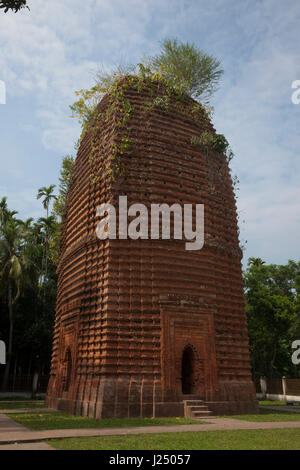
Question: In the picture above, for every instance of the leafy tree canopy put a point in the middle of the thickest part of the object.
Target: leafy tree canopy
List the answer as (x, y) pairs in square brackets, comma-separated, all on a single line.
[(29, 253), (64, 183), (14, 5), (273, 314)]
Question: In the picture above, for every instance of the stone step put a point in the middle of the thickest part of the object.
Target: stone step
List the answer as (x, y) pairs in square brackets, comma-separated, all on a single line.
[(195, 409), (198, 414), (191, 397), (198, 408), (193, 402)]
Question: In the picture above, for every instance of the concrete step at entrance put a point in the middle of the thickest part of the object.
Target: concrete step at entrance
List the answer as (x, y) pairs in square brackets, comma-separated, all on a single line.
[(195, 403), (196, 409), (190, 396), (201, 414)]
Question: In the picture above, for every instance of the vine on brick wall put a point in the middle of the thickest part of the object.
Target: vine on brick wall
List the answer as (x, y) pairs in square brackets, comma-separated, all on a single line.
[(117, 155), (216, 142)]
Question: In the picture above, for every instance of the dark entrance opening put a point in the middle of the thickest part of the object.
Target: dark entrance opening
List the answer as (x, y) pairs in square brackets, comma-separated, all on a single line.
[(187, 370)]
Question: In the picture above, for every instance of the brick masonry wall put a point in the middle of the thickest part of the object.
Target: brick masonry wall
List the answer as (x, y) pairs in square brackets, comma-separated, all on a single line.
[(127, 309)]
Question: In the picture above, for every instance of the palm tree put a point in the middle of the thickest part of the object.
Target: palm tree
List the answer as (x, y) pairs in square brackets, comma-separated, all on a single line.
[(47, 193), (14, 5), (47, 225), (5, 213), (11, 265)]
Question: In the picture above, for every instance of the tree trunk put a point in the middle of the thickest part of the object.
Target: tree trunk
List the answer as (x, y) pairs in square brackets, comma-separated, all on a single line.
[(11, 326), (46, 260), (46, 268)]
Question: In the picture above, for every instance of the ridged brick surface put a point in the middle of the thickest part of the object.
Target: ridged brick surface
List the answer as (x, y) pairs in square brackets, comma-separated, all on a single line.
[(127, 309)]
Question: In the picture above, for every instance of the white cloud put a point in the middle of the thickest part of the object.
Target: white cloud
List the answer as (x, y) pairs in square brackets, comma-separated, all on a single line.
[(256, 114), (49, 52)]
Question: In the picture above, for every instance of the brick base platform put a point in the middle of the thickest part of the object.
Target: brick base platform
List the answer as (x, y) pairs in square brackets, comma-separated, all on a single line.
[(121, 399), (95, 410)]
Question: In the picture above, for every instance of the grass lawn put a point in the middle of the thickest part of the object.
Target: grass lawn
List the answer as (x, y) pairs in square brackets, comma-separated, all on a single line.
[(56, 420), (268, 415), (260, 439), (19, 398), (28, 405), (269, 402), (275, 403)]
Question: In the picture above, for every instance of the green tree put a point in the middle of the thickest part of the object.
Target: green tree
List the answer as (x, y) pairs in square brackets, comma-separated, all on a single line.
[(271, 306), (47, 225), (27, 299), (29, 253), (12, 262), (59, 205), (5, 213), (14, 5), (47, 194)]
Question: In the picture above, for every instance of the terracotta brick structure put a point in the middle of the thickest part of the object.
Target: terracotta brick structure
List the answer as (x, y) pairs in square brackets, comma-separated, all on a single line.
[(141, 324)]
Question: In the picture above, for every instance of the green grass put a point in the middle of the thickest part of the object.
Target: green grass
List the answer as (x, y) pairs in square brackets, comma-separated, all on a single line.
[(260, 439), (18, 398), (275, 403), (56, 420), (30, 405), (269, 402), (266, 415)]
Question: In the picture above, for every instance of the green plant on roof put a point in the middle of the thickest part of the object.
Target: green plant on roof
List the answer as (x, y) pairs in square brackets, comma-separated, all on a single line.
[(188, 67), (183, 68), (179, 71)]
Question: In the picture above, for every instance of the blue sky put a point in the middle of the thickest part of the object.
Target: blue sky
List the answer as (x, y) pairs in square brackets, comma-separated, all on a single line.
[(48, 53)]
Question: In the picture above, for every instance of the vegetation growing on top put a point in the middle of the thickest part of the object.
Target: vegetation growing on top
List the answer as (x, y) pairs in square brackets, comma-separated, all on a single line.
[(187, 67), (182, 70)]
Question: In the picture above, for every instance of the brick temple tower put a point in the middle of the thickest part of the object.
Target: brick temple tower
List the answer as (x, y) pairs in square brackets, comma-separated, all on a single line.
[(142, 325)]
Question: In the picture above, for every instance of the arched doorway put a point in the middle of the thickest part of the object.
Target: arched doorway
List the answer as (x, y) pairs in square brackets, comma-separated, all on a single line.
[(187, 370)]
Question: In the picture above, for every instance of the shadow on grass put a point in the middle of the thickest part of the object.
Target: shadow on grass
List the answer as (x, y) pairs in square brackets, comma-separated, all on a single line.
[(56, 420)]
